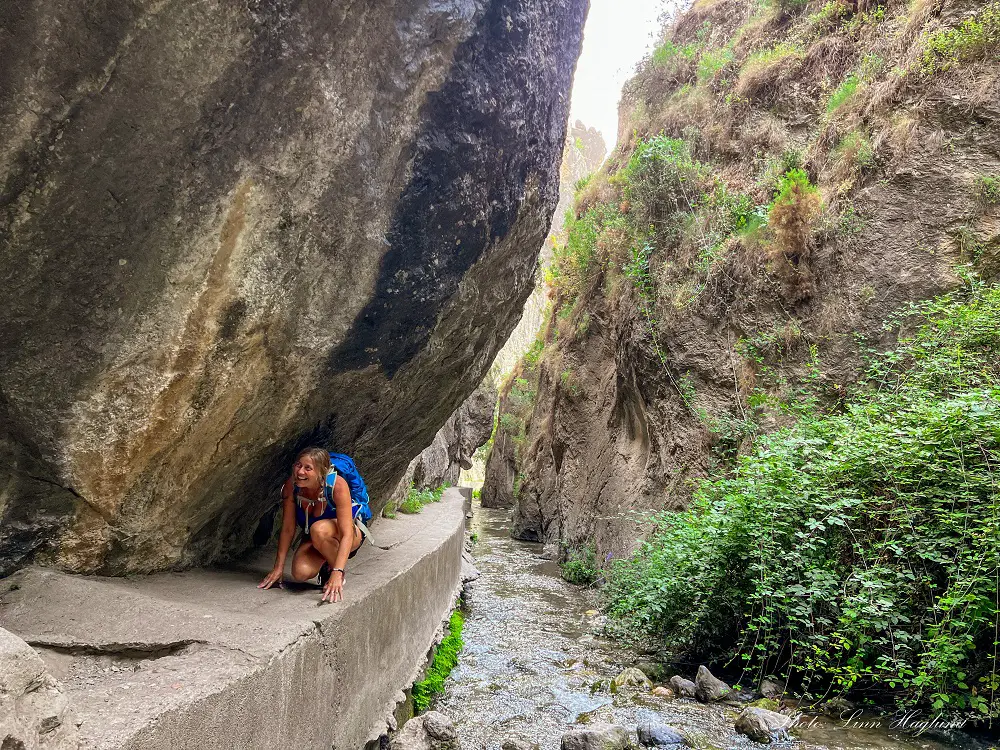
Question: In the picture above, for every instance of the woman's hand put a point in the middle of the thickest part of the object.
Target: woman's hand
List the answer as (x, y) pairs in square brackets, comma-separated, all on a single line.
[(334, 590), (270, 579)]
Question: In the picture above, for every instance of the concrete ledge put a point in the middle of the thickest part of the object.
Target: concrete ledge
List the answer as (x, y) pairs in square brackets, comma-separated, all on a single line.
[(205, 659)]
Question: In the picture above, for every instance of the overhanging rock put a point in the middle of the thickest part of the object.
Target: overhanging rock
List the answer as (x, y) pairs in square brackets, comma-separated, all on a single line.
[(205, 659), (232, 229)]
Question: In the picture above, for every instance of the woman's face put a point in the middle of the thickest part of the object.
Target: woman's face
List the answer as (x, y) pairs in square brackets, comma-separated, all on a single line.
[(304, 474)]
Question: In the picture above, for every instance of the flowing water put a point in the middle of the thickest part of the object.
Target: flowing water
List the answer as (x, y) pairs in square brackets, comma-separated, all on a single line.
[(532, 668)]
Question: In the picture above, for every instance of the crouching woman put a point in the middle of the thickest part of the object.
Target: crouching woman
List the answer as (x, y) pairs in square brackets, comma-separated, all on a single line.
[(331, 536)]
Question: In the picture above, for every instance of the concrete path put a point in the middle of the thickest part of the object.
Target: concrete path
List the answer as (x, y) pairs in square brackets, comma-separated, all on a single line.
[(203, 658)]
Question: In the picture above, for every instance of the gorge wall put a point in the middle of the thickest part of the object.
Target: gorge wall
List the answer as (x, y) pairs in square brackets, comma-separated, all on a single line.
[(230, 230), (789, 176)]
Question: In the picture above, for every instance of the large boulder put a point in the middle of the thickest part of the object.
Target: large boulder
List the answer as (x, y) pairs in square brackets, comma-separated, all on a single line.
[(231, 230), (708, 687), (762, 725), (34, 712), (652, 734), (631, 677), (683, 688), (600, 736), (430, 731)]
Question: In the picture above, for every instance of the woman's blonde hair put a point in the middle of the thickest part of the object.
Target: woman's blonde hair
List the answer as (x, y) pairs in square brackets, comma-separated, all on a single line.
[(320, 459)]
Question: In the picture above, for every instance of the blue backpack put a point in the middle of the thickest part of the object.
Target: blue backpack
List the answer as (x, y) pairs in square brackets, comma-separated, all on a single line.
[(344, 466)]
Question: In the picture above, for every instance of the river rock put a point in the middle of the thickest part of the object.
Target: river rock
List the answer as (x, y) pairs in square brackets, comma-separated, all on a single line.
[(709, 688), (518, 743), (663, 692), (232, 229), (658, 735), (631, 677), (596, 737), (34, 710), (837, 707), (469, 572), (762, 725), (683, 688), (430, 731), (772, 688)]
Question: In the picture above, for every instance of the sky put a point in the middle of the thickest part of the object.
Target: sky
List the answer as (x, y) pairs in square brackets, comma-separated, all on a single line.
[(618, 34)]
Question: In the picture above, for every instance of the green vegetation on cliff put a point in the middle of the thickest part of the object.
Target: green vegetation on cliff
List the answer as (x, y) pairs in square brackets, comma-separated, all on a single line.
[(797, 178), (860, 548)]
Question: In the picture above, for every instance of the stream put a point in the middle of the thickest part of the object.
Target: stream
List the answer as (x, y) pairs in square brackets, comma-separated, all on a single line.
[(531, 668)]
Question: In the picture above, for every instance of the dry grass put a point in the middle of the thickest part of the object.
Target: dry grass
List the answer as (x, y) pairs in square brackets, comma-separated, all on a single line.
[(762, 73)]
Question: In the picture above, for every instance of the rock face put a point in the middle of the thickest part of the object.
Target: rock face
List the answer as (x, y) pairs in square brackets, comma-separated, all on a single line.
[(635, 399), (33, 708), (442, 461), (582, 155), (232, 230)]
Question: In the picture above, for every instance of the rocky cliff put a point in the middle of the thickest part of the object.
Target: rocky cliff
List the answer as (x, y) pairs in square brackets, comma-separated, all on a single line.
[(232, 229), (453, 447), (582, 156), (789, 176)]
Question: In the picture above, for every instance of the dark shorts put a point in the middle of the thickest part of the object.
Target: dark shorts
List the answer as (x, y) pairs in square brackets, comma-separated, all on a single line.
[(354, 552)]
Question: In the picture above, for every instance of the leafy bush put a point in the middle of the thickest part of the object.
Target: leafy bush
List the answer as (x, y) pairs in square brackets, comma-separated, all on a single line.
[(842, 93), (988, 190), (580, 566), (972, 40), (417, 499), (711, 62), (857, 550), (445, 660)]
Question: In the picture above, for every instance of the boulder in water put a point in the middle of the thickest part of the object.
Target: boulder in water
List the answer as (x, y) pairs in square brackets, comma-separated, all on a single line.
[(762, 725), (518, 743), (596, 737), (710, 688), (652, 734)]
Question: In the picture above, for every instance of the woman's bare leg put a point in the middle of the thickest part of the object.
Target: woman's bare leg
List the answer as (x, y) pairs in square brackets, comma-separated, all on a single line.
[(307, 562), (322, 546)]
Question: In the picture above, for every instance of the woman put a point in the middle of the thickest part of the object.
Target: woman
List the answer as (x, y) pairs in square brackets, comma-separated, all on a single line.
[(327, 520)]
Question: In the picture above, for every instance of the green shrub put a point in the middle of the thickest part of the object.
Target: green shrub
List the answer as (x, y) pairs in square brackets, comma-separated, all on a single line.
[(711, 62), (972, 40), (859, 549), (842, 93), (580, 566), (445, 660), (667, 52), (856, 148), (417, 499), (987, 190)]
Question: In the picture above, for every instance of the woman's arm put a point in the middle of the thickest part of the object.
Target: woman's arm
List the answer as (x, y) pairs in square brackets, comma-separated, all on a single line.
[(345, 524), (284, 538)]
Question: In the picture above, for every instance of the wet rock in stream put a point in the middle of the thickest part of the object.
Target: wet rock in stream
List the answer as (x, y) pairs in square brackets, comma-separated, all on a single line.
[(596, 737)]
